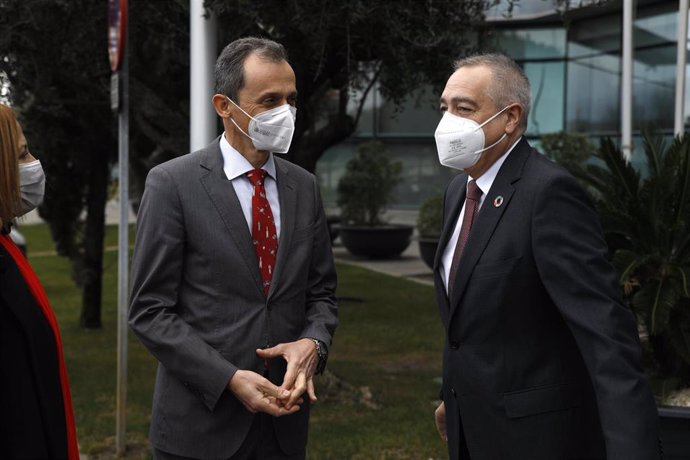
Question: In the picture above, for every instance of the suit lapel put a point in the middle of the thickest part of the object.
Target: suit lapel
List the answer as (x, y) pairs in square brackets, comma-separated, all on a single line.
[(287, 197), (451, 211), (488, 218), (222, 194)]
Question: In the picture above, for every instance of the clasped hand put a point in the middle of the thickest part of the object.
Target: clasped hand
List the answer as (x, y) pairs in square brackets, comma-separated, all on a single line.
[(258, 394)]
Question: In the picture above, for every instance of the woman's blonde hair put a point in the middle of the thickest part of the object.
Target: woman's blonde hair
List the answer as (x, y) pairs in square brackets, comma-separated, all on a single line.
[(10, 199)]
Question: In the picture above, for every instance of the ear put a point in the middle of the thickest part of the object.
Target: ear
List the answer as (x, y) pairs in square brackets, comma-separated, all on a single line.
[(514, 113), (224, 109)]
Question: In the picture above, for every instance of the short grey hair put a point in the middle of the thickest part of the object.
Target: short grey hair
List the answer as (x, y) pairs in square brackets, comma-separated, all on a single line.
[(509, 84), (229, 70)]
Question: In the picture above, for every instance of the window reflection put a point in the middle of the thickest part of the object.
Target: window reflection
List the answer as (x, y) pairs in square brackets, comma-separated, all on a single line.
[(654, 72), (575, 72), (422, 174), (541, 54), (417, 116), (594, 67)]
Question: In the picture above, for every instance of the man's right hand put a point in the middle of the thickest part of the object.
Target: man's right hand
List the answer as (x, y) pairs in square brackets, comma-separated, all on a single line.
[(259, 394), (441, 421)]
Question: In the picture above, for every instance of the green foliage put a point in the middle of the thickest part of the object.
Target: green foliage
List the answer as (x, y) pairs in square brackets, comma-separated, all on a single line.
[(59, 73), (430, 217), (367, 186), (54, 53), (338, 47), (55, 56), (159, 86), (570, 150), (646, 221)]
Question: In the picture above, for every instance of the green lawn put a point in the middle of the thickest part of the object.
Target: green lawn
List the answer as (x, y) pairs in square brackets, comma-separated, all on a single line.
[(386, 360)]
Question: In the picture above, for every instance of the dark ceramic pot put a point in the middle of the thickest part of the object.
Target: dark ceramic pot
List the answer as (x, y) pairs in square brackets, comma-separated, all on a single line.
[(674, 423), (333, 227), (427, 250), (381, 242)]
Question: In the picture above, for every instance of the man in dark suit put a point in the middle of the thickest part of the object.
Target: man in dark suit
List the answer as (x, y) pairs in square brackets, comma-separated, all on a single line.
[(233, 283), (542, 357)]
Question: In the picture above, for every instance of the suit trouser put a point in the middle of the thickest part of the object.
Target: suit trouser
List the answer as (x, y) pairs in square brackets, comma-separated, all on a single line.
[(261, 443)]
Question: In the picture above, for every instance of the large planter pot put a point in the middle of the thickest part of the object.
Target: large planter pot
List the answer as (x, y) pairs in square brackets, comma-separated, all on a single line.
[(376, 242), (427, 250), (674, 423), (333, 227)]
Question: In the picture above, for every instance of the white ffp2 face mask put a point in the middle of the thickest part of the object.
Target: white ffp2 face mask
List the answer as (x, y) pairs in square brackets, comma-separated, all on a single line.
[(271, 130), (460, 141), (32, 184)]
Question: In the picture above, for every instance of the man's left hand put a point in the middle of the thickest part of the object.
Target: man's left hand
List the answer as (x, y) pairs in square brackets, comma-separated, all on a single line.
[(301, 360)]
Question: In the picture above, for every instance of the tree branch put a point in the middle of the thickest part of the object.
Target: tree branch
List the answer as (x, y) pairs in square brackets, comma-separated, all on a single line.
[(366, 92)]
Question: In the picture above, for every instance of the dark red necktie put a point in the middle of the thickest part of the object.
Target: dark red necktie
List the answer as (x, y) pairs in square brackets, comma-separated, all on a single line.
[(264, 236), (474, 195)]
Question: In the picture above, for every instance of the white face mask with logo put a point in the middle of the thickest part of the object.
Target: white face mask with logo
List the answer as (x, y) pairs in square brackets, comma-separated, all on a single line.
[(271, 130), (460, 141), (32, 184)]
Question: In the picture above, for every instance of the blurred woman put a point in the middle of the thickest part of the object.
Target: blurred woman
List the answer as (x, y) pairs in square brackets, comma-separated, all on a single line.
[(36, 417)]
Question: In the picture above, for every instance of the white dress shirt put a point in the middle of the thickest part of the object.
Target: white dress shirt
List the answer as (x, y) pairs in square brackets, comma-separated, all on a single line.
[(236, 167), (484, 183)]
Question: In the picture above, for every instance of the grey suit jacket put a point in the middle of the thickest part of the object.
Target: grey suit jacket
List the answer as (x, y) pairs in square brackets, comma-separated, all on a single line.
[(197, 302)]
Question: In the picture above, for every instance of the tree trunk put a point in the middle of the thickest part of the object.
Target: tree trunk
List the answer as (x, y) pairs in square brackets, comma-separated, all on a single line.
[(311, 147), (92, 274), (308, 159)]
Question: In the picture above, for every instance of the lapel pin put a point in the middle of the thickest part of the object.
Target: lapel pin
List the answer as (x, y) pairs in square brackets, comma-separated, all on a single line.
[(498, 201)]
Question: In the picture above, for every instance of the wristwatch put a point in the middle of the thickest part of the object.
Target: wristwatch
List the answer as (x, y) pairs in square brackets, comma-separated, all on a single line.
[(322, 352)]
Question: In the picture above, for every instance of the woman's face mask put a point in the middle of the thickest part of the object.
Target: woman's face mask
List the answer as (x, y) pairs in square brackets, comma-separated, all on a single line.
[(32, 182), (460, 141), (271, 130)]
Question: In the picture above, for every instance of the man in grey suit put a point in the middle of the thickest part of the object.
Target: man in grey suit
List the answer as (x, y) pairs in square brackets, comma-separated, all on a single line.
[(233, 283)]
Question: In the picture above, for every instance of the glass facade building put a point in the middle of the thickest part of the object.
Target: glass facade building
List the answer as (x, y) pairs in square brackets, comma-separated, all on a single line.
[(574, 64), (407, 133)]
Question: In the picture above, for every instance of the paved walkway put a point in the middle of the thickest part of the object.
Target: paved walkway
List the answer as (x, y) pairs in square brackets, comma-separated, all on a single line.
[(409, 265), (112, 215)]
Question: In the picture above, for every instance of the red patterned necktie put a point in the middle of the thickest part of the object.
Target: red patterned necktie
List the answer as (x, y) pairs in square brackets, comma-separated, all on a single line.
[(264, 236), (474, 195)]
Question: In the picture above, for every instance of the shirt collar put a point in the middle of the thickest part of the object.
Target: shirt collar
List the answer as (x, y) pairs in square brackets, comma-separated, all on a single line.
[(486, 180), (236, 165)]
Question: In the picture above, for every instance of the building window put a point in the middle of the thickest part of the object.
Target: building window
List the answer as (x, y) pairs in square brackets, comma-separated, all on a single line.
[(654, 70), (594, 66), (417, 116), (541, 53), (422, 174)]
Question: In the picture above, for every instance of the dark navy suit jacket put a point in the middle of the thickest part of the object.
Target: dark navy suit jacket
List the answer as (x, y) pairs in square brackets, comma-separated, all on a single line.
[(542, 357)]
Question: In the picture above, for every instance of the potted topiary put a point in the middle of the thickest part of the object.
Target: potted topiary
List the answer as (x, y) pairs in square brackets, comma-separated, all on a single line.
[(570, 150), (646, 222), (364, 192), (429, 226), (333, 223)]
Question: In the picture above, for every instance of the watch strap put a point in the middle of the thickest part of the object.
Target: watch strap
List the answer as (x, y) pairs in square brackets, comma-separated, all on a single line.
[(322, 353)]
